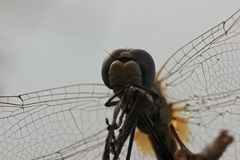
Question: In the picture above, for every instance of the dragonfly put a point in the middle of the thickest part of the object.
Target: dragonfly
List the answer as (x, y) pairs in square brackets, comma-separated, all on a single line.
[(200, 83)]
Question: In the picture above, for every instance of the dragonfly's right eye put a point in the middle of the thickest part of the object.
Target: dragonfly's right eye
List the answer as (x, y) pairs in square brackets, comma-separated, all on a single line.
[(106, 65), (144, 69)]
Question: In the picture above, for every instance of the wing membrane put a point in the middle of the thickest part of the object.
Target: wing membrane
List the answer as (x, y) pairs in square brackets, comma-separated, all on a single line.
[(59, 123), (206, 67), (201, 79)]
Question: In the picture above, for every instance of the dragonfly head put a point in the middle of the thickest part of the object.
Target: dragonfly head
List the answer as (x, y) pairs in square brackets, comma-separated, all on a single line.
[(128, 66)]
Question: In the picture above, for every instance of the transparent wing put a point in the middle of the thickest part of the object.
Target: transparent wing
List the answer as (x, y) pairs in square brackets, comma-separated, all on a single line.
[(207, 66), (202, 78), (59, 123)]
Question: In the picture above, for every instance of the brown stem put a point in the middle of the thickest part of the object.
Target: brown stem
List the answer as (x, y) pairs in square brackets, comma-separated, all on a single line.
[(212, 152)]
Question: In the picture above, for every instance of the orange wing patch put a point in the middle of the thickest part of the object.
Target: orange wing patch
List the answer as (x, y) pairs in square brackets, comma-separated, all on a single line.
[(180, 124), (143, 143)]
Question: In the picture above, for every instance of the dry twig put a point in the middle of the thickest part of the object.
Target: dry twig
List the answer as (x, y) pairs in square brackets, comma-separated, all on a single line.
[(212, 152)]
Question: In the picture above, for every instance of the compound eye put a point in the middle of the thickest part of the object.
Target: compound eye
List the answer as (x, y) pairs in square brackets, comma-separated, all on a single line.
[(141, 57), (107, 63), (147, 65)]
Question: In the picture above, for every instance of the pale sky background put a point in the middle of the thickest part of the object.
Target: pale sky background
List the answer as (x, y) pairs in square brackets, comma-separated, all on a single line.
[(51, 43)]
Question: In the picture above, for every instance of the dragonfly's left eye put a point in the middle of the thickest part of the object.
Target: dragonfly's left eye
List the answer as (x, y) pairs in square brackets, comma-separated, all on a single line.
[(141, 57)]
